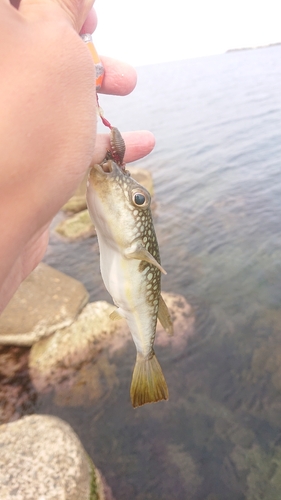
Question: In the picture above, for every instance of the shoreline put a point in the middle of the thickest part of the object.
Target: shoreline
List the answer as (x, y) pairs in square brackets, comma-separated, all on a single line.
[(254, 48)]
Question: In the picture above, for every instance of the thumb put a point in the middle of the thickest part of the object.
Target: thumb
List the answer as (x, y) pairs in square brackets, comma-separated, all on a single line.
[(74, 11)]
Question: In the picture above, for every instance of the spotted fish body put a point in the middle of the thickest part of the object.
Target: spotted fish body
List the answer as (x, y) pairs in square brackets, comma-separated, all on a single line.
[(130, 268)]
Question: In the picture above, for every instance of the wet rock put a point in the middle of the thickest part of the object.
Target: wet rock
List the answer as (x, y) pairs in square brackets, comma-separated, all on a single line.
[(183, 322), (93, 382), (17, 394), (54, 358), (45, 302), (77, 227), (61, 356), (41, 457)]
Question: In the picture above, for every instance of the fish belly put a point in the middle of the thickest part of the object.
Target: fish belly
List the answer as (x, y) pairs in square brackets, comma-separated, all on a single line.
[(127, 288)]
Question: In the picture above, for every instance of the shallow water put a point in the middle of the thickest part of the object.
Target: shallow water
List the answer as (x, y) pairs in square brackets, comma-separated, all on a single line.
[(216, 169)]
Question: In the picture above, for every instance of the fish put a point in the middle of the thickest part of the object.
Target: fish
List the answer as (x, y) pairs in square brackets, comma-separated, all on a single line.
[(131, 269)]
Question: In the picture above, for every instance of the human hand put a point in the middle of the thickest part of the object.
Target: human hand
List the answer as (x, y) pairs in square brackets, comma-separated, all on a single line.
[(48, 123)]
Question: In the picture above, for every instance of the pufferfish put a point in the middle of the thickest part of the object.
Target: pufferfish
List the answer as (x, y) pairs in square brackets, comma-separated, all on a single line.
[(131, 269)]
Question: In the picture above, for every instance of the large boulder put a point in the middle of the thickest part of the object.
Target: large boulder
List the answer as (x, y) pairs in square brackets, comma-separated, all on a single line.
[(59, 356), (46, 301), (62, 356), (42, 457)]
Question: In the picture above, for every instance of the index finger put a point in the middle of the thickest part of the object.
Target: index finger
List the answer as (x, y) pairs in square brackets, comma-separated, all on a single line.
[(119, 78)]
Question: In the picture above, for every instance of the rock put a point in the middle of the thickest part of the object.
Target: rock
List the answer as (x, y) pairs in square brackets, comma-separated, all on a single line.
[(261, 468), (183, 322), (76, 227), (17, 394), (58, 357), (41, 457), (46, 301), (54, 358), (95, 382), (75, 204), (187, 468)]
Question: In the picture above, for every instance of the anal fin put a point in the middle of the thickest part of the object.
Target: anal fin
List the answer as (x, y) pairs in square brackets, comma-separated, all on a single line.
[(165, 317), (148, 382), (115, 315)]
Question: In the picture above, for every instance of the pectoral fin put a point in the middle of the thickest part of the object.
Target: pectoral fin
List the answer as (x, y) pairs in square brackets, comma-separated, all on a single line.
[(165, 317), (115, 315), (141, 253)]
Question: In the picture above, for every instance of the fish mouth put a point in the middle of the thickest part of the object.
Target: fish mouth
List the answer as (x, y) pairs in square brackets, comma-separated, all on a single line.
[(107, 167), (104, 168)]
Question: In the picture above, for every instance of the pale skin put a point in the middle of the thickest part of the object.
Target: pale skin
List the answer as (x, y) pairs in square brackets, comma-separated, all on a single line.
[(48, 123)]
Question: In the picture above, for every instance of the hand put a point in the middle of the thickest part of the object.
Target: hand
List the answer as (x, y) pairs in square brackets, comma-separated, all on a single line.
[(48, 123)]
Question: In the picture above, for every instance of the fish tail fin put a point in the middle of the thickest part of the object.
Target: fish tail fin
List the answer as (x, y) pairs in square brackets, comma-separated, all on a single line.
[(148, 382)]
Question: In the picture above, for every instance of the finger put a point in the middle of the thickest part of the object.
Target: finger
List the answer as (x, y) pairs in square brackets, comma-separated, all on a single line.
[(74, 11), (15, 3), (138, 145), (90, 23), (119, 77)]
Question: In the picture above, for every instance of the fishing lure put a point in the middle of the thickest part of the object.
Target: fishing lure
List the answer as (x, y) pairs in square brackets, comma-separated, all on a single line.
[(117, 144)]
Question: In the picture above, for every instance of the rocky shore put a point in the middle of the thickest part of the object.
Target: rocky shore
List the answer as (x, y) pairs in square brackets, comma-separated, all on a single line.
[(52, 338), (54, 344)]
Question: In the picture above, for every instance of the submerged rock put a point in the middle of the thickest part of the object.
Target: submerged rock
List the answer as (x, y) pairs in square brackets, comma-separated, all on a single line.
[(61, 357), (46, 301), (262, 470), (77, 227), (17, 394), (186, 466), (93, 382), (183, 322), (54, 358), (42, 457)]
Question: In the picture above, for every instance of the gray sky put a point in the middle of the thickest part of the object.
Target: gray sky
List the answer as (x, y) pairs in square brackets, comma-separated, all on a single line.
[(151, 31)]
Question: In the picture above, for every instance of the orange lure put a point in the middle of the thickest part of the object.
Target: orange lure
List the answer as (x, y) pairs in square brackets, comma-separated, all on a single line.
[(116, 141)]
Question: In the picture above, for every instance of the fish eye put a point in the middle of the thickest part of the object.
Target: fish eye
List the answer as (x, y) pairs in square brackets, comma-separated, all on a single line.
[(139, 199)]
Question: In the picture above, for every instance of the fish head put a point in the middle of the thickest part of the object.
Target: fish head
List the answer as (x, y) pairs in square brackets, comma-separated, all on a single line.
[(119, 206)]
